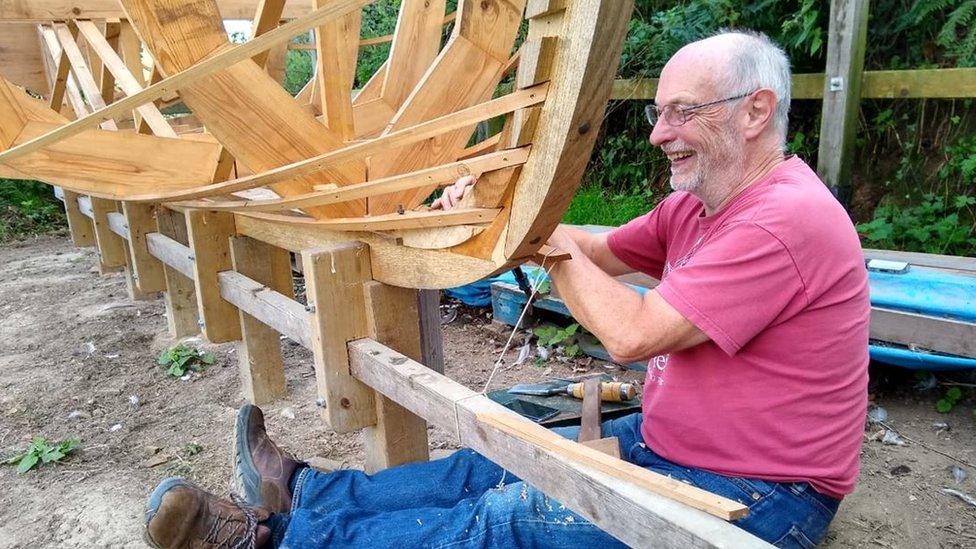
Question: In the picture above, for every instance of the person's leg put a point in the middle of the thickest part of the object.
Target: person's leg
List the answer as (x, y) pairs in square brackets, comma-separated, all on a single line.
[(512, 515), (784, 514)]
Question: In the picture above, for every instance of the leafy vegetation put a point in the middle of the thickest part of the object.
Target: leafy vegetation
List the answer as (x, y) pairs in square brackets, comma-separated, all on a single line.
[(949, 401), (938, 225), (182, 359), (41, 452), (27, 208), (550, 336)]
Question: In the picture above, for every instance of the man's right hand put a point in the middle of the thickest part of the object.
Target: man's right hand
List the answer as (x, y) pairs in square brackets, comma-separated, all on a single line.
[(452, 195)]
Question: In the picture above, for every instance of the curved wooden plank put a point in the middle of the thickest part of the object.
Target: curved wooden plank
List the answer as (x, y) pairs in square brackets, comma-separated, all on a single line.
[(587, 56), (438, 175), (423, 219)]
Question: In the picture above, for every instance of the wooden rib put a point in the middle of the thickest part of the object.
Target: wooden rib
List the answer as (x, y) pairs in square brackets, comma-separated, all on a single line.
[(388, 222), (335, 70), (437, 175), (81, 72), (125, 80), (198, 71), (488, 145), (420, 132), (266, 17), (416, 44), (60, 79), (374, 40)]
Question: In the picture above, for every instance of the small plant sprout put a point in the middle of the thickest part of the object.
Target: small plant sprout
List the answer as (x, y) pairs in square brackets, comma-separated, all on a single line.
[(948, 402), (181, 359), (42, 451), (551, 336)]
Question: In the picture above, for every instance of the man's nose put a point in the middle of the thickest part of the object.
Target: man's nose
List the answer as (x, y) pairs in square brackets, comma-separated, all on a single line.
[(661, 132)]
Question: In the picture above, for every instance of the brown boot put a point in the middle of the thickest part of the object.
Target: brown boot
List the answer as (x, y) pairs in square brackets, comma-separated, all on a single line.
[(182, 515), (261, 469)]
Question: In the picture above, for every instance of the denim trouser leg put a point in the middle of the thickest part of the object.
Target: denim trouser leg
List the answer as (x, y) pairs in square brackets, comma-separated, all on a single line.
[(465, 500)]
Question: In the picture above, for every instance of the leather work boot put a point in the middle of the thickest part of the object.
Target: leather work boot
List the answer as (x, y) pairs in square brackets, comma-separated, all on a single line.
[(182, 515), (261, 469)]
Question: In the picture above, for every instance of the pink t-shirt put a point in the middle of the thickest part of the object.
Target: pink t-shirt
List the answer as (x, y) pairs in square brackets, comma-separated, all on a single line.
[(776, 279)]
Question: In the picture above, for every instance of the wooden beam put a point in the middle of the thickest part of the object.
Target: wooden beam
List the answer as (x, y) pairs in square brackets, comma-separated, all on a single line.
[(399, 436), (194, 73), (60, 79), (957, 263), (124, 78), (431, 333), (262, 371), (391, 222), (267, 16), (901, 84), (22, 61), (46, 10), (287, 316), (334, 279), (81, 72), (928, 332), (416, 42), (336, 54), (209, 235), (181, 303), (633, 504), (846, 40)]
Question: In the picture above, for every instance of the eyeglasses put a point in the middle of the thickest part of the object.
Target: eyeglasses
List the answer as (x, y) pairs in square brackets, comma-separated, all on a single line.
[(675, 115)]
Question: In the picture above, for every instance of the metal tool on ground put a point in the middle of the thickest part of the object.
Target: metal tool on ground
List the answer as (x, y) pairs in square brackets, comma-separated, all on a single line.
[(610, 391), (591, 421)]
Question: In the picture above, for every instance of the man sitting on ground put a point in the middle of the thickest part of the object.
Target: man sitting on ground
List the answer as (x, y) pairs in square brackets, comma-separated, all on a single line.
[(757, 338)]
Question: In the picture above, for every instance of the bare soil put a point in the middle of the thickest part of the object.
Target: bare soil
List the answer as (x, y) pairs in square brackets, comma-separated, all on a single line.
[(74, 351)]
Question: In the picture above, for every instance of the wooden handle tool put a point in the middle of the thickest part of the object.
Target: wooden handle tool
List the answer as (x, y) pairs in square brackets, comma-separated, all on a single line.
[(615, 391)]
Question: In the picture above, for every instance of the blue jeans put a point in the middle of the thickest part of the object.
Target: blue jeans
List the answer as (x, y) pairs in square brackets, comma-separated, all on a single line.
[(465, 500)]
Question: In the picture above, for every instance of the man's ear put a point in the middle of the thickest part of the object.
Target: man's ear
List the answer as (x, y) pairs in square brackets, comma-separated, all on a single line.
[(760, 109)]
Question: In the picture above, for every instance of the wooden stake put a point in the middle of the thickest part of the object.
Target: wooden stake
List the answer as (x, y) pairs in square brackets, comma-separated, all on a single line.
[(259, 352), (111, 249), (81, 227)]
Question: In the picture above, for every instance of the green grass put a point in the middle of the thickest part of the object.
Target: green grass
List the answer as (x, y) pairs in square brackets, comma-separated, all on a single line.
[(595, 206)]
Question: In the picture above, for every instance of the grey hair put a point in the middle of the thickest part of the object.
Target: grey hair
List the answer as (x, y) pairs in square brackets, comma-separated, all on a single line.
[(756, 62)]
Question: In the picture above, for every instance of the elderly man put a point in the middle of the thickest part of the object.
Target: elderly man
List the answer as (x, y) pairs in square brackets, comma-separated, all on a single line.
[(757, 340)]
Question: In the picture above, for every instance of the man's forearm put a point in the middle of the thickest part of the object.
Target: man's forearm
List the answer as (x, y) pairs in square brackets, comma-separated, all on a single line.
[(598, 301)]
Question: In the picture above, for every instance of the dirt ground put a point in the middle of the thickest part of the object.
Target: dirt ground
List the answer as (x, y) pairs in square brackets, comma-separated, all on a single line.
[(74, 351)]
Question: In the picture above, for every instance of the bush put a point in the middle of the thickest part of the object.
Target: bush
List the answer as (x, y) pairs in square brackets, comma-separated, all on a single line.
[(28, 208)]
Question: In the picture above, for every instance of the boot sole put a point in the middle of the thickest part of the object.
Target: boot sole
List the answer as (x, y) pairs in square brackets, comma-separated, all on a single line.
[(248, 482)]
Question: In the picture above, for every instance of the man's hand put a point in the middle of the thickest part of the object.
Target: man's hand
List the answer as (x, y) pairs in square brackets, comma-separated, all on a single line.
[(452, 195)]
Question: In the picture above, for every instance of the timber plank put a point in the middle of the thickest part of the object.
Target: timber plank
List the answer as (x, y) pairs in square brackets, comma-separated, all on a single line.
[(111, 249), (182, 317), (147, 270)]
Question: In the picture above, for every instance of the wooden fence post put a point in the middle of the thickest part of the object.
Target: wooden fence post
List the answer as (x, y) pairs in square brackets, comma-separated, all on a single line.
[(846, 39), (209, 234)]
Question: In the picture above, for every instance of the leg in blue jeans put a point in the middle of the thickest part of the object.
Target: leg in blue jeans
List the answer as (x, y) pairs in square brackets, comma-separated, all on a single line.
[(465, 500)]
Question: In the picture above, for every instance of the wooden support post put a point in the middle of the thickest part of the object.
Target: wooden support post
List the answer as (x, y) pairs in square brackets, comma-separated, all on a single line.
[(431, 335), (181, 303), (81, 227), (146, 269), (259, 352), (334, 278), (209, 234), (399, 436), (111, 249), (846, 38)]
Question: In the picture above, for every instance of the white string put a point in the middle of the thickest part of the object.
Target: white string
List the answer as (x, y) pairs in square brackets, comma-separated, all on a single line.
[(528, 302)]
